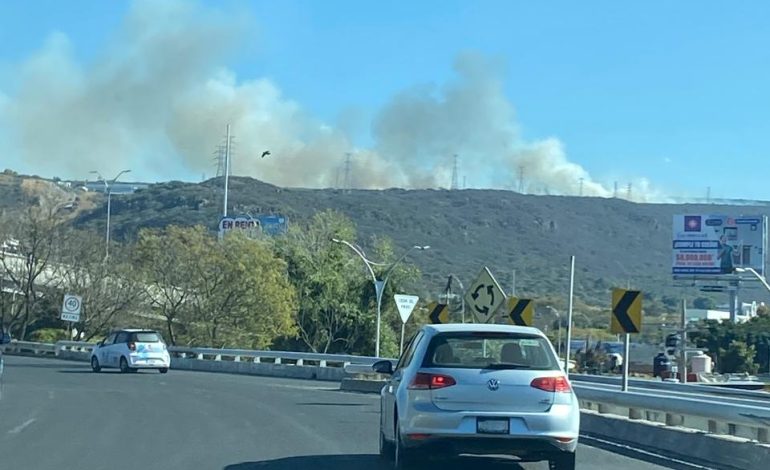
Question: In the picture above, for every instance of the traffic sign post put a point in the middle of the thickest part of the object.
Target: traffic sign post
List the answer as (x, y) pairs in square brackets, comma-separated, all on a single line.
[(521, 312), (438, 313), (626, 311), (71, 307), (405, 304), (484, 296), (626, 318)]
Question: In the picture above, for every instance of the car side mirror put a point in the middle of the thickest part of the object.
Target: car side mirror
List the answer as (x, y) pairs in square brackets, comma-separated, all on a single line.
[(383, 367)]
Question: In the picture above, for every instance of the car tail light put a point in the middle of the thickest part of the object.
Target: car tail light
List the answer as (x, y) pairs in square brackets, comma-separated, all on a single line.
[(132, 346), (552, 384), (424, 381)]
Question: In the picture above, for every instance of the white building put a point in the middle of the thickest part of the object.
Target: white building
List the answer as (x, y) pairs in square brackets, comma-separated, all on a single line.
[(747, 311)]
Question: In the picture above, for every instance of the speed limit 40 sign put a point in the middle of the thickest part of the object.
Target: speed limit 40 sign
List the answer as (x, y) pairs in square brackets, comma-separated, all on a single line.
[(70, 309)]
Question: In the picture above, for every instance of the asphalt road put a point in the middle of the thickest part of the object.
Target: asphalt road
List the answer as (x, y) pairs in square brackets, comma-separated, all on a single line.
[(59, 415)]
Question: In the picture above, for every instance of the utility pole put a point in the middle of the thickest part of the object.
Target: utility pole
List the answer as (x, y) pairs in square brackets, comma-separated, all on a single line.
[(708, 195), (628, 192), (219, 157), (521, 179), (683, 356), (348, 182), (465, 178), (227, 170), (581, 187), (615, 192), (455, 184)]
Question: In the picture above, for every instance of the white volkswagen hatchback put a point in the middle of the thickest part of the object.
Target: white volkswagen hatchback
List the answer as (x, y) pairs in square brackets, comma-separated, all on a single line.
[(130, 350), (478, 389)]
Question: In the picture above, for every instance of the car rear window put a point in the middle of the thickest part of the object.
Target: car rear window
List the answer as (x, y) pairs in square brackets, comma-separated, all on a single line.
[(146, 337), (479, 350)]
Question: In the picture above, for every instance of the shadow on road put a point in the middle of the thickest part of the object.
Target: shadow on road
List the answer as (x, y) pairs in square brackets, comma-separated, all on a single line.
[(36, 366), (369, 462), (104, 372)]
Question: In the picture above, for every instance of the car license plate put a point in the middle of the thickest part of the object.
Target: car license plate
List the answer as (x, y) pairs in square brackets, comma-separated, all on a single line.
[(492, 425)]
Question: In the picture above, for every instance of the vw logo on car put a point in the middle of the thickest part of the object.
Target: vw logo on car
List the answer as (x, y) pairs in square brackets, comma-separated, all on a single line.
[(493, 384)]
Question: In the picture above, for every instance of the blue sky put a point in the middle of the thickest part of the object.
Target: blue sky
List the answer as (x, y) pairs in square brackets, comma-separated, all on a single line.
[(675, 92)]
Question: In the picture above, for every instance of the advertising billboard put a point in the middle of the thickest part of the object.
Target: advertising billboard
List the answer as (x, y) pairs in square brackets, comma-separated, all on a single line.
[(267, 224), (227, 224), (717, 244)]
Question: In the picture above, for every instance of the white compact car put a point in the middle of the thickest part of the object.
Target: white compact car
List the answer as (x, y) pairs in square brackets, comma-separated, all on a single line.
[(478, 389), (130, 350)]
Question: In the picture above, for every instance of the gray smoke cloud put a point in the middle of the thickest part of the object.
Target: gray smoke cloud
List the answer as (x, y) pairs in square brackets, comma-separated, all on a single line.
[(158, 98)]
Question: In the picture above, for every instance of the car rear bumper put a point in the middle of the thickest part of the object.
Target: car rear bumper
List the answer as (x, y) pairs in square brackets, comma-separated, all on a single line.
[(555, 430), (527, 449), (149, 363)]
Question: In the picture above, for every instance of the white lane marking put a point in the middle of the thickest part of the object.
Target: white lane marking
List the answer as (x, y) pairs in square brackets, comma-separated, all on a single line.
[(22, 426)]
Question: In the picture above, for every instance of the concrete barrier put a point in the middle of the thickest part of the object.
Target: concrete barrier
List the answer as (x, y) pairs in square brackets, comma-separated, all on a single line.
[(361, 385), (709, 450)]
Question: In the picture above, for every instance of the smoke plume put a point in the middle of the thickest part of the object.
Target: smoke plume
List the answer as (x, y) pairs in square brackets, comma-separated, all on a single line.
[(158, 97)]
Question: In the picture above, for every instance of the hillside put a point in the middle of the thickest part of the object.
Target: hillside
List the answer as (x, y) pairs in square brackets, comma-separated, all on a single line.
[(614, 240)]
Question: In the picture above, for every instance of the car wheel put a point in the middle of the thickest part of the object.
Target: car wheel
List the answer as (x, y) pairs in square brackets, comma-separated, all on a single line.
[(163, 370), (403, 457), (124, 366), (95, 364), (562, 461)]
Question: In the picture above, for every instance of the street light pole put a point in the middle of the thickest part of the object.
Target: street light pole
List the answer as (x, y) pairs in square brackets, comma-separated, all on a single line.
[(108, 190), (379, 285)]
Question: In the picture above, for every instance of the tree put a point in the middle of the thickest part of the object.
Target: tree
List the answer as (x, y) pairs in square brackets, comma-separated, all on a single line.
[(37, 236), (229, 293), (241, 294), (162, 259), (328, 281), (704, 303), (109, 288), (736, 347), (738, 358)]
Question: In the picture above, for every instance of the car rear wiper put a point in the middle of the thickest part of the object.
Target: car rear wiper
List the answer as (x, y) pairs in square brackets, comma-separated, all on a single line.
[(507, 365)]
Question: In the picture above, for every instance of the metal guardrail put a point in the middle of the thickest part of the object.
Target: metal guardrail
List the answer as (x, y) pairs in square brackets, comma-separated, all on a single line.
[(214, 354), (276, 357), (708, 414), (29, 347), (688, 388)]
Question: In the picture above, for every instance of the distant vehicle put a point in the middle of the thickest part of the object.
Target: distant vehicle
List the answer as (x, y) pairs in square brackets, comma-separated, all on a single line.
[(130, 350), (478, 389)]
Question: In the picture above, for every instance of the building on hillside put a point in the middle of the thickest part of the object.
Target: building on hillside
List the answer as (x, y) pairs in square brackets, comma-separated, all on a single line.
[(747, 311)]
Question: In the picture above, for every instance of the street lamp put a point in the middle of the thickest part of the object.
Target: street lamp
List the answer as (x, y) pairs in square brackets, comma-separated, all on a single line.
[(108, 190), (379, 285)]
